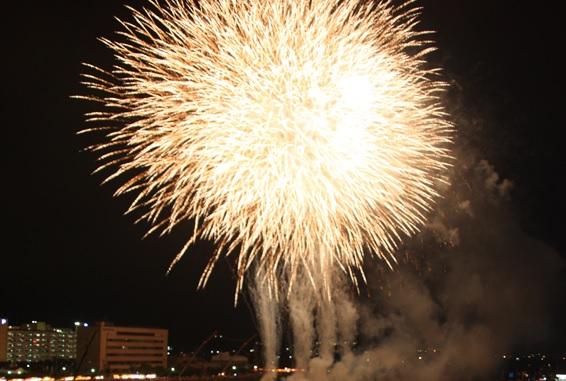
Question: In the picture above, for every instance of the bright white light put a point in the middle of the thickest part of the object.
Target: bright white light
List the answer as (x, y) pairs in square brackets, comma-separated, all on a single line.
[(92, 370), (561, 377), (234, 367), (3, 321), (172, 369), (64, 368), (318, 149), (85, 325), (77, 323)]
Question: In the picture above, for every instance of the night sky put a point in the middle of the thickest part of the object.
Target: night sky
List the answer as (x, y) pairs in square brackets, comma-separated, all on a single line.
[(70, 254)]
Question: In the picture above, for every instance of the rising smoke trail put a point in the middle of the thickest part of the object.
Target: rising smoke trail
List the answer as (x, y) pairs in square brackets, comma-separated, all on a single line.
[(301, 317), (268, 314)]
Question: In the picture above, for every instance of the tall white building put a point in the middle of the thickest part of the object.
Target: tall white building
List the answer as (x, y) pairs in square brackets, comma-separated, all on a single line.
[(36, 342)]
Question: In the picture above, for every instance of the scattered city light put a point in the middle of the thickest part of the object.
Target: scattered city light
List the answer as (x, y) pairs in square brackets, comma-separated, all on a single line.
[(134, 376), (3, 321)]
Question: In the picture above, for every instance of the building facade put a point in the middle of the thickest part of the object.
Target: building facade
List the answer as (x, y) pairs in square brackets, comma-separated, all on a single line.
[(36, 342), (3, 340), (107, 348)]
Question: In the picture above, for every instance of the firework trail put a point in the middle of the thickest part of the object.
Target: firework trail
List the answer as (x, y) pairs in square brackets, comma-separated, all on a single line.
[(298, 135)]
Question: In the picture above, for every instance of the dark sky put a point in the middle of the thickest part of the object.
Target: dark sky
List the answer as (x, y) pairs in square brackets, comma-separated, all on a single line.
[(70, 254)]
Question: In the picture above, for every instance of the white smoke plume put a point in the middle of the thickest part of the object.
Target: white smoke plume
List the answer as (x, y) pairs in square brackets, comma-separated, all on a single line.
[(467, 290)]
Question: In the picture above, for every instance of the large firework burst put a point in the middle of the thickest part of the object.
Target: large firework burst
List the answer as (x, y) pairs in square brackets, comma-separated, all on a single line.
[(297, 134)]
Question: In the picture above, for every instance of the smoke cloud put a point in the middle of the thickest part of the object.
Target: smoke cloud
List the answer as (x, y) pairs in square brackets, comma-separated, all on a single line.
[(468, 289)]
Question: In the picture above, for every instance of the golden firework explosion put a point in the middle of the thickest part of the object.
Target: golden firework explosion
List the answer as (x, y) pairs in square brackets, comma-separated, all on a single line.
[(300, 135)]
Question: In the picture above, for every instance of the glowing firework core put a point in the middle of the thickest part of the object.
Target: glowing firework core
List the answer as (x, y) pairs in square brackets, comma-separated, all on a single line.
[(299, 133)]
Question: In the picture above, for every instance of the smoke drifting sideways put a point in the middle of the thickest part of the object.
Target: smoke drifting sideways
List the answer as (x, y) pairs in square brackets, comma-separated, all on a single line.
[(473, 286), (468, 289)]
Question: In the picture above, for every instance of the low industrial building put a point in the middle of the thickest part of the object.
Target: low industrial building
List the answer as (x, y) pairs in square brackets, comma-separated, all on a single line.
[(106, 348)]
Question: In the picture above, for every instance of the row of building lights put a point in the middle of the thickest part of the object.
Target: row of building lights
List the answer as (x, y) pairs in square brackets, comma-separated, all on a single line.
[(88, 378), (77, 323)]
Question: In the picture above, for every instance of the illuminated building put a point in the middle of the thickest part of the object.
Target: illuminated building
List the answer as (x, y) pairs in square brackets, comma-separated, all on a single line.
[(36, 342), (107, 348)]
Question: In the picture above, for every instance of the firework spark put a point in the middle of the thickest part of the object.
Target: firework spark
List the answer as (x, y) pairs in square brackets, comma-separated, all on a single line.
[(298, 135)]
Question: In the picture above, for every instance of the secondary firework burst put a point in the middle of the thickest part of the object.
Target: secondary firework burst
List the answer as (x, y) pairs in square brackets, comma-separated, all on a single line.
[(299, 136)]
